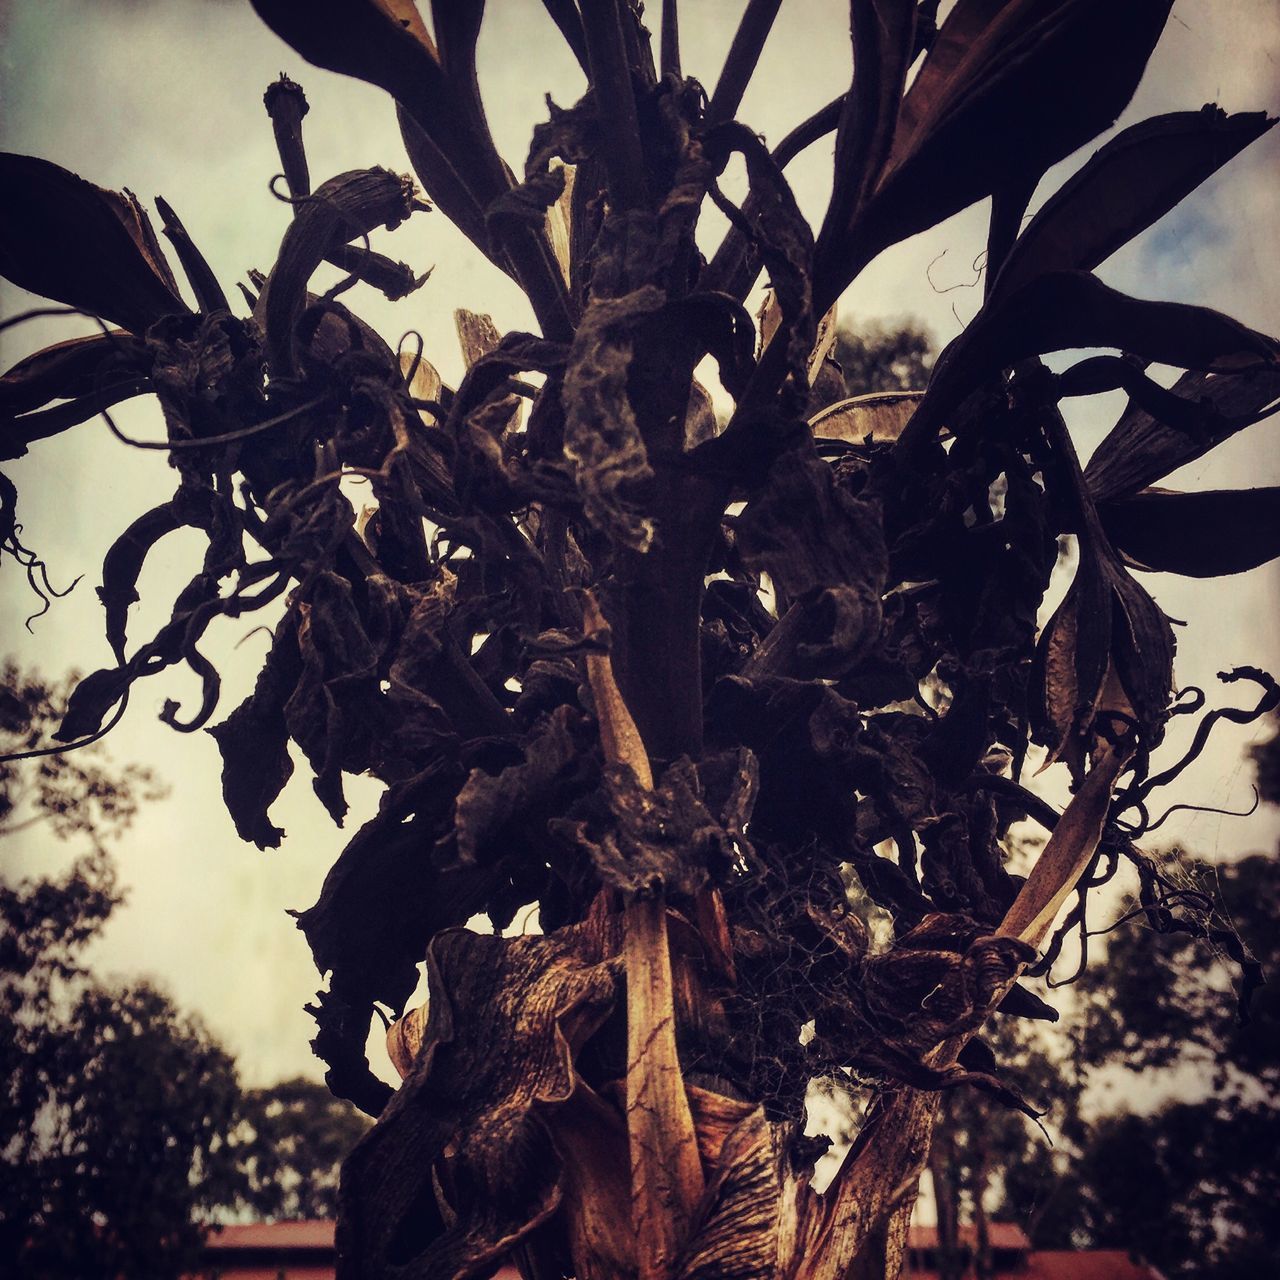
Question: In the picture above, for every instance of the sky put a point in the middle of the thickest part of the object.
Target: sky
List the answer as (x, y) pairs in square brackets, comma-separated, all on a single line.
[(166, 98)]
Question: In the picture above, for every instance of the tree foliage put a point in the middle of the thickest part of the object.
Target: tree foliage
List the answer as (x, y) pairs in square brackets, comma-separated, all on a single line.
[(290, 1140), (124, 1131), (115, 1106), (669, 682)]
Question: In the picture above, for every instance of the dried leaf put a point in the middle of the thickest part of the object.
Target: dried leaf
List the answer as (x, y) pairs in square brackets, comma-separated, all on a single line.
[(883, 47), (748, 1219), (491, 805), (65, 239), (477, 335), (1202, 535), (1068, 309), (1063, 860), (879, 416), (254, 742), (67, 370), (1126, 186), (338, 211), (460, 1166), (601, 437), (1019, 89), (1139, 451)]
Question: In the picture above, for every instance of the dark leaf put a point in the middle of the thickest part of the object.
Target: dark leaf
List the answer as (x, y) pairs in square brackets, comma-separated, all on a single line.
[(1140, 451), (1001, 97), (340, 210), (1203, 535), (383, 899), (67, 370), (90, 702), (822, 546), (1070, 309), (1126, 186), (254, 742), (460, 1166), (651, 840), (122, 566), (65, 239), (601, 437), (883, 45), (491, 804)]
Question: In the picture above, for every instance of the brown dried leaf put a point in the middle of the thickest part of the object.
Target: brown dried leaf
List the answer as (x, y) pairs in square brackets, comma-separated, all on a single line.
[(254, 742), (1063, 860), (1202, 535), (477, 335), (1140, 451), (878, 416), (1007, 90), (601, 437), (1125, 187), (68, 240), (460, 1166), (339, 210)]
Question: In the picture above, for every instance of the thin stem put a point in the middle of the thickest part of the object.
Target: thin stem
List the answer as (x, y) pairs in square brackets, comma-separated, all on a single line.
[(744, 54)]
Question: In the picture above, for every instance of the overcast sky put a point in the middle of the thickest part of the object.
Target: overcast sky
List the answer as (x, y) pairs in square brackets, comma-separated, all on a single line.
[(166, 98)]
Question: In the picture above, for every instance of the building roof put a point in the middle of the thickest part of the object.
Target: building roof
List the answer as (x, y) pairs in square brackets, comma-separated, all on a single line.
[(1088, 1264), (1000, 1235), (245, 1250), (271, 1235)]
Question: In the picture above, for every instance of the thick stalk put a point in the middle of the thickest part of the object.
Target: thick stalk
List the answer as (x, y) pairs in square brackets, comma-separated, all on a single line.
[(666, 1171)]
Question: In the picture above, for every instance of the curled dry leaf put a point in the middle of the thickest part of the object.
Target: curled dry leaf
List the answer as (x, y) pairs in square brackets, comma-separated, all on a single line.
[(879, 416)]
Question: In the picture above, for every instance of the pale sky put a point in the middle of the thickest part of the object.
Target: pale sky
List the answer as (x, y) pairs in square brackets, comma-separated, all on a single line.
[(166, 98)]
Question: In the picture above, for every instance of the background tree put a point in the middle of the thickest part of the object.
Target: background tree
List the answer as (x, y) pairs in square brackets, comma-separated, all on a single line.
[(290, 1140), (673, 684), (124, 1132), (882, 355)]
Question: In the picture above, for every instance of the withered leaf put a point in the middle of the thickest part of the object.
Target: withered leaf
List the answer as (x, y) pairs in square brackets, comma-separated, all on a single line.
[(999, 98), (333, 711), (122, 566), (91, 700), (823, 546), (1126, 186), (655, 839), (488, 804), (1203, 535), (601, 437), (749, 1214), (383, 899), (254, 742), (65, 239), (1067, 309), (460, 1166), (883, 45), (67, 370), (879, 416), (1140, 451), (338, 211)]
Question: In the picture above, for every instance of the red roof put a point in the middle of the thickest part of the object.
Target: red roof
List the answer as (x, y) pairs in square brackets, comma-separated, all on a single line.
[(271, 1235), (1000, 1235), (271, 1250), (1089, 1264), (311, 1245)]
